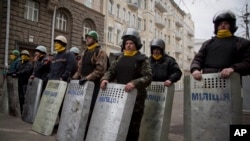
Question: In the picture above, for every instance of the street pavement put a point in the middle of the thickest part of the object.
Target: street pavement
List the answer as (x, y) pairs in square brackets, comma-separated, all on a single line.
[(14, 129)]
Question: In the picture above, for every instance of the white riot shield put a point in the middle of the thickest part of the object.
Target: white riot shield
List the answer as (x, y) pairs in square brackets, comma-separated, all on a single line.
[(4, 102), (210, 106), (157, 112), (75, 111), (49, 106), (32, 99), (14, 105), (246, 92), (112, 114)]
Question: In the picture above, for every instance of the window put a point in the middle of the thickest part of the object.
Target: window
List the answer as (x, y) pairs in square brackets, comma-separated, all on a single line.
[(145, 24), (110, 7), (124, 13), (128, 17), (86, 29), (31, 11), (110, 34), (143, 46), (118, 11), (151, 26), (118, 36), (132, 20), (169, 23), (169, 40), (61, 21), (139, 24), (88, 3), (145, 4)]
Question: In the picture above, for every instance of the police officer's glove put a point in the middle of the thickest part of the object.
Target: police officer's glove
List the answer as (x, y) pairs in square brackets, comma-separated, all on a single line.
[(82, 81)]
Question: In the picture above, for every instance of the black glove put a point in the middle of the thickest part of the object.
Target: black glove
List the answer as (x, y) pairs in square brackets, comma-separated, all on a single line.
[(82, 81)]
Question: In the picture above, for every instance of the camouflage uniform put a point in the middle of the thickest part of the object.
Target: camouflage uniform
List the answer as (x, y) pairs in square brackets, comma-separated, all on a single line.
[(139, 73)]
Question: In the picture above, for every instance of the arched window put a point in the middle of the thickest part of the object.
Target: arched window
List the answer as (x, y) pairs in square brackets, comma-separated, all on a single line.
[(110, 6), (87, 27), (61, 21), (118, 11)]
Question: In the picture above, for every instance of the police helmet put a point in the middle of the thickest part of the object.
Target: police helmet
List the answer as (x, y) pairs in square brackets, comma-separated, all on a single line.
[(225, 16), (131, 34), (157, 43)]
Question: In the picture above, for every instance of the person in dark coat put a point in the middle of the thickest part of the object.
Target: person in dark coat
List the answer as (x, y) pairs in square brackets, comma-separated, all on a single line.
[(132, 69), (64, 63), (225, 53), (24, 70), (41, 65), (15, 60), (164, 67)]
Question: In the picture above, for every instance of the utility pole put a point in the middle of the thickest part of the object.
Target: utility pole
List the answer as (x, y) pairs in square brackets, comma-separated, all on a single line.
[(246, 21)]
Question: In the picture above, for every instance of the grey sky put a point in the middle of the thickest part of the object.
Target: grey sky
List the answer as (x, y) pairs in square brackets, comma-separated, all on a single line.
[(203, 11)]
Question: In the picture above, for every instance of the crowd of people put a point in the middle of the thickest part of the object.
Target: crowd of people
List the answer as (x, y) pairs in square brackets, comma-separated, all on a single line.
[(132, 68)]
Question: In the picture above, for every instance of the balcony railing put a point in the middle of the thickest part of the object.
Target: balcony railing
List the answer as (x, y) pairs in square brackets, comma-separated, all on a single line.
[(159, 23), (161, 6), (133, 4), (178, 50)]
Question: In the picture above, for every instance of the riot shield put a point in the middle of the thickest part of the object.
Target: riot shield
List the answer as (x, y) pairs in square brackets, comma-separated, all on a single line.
[(246, 99), (49, 106), (14, 105), (4, 102), (75, 111), (246, 92), (32, 99), (112, 114), (157, 112), (210, 106)]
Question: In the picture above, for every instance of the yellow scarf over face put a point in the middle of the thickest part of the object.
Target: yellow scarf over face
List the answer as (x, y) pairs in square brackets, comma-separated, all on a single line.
[(224, 33), (129, 53), (59, 47), (24, 58), (13, 57), (92, 46), (157, 57)]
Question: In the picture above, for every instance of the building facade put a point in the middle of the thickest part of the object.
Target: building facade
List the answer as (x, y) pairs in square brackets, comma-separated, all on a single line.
[(38, 22)]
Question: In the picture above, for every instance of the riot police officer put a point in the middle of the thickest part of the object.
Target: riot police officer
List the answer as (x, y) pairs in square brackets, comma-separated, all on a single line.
[(225, 53), (164, 67), (132, 69)]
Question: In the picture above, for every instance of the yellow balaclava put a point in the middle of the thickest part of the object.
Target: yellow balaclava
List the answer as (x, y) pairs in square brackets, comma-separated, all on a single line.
[(92, 46), (59, 47), (24, 58), (129, 53), (224, 33), (13, 57), (157, 57)]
